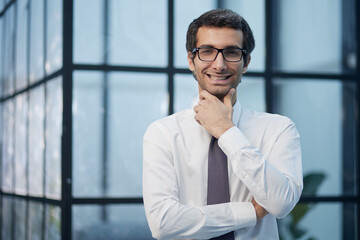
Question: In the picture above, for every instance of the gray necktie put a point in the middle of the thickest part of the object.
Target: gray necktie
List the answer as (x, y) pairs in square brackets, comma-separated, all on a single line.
[(218, 180)]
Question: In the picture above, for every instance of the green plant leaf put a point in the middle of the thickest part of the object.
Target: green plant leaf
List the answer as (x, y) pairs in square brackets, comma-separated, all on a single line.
[(312, 181), (299, 212), (296, 232)]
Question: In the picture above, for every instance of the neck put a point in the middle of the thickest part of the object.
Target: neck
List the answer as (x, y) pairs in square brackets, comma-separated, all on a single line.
[(233, 99)]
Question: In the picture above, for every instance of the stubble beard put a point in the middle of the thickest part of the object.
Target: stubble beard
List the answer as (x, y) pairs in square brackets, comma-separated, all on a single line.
[(219, 95)]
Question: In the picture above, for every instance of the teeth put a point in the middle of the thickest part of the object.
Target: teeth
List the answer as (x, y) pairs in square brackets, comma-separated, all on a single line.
[(218, 78)]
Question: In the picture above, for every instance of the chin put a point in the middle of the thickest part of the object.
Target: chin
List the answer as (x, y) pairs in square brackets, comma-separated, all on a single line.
[(220, 94)]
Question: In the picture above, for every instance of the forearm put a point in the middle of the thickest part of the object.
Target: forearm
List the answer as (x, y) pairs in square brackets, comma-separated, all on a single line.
[(173, 220), (168, 217)]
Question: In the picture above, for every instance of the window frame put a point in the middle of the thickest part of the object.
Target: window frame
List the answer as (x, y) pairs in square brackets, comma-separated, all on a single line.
[(350, 152)]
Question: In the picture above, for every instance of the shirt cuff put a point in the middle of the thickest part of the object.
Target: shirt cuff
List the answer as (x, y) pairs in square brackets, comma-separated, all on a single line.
[(232, 140), (244, 214)]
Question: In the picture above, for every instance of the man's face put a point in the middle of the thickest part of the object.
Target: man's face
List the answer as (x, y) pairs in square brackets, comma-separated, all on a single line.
[(218, 76)]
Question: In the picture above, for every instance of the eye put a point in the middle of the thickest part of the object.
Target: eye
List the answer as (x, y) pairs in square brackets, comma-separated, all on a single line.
[(232, 52), (207, 50)]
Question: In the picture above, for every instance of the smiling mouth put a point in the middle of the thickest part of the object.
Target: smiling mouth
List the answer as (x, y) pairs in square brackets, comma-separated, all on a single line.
[(218, 78)]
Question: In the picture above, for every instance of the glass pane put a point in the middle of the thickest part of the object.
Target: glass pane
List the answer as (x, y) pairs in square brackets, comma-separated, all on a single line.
[(254, 13), (36, 220), (320, 221), (1, 135), (21, 112), (54, 37), (36, 141), (84, 219), (185, 91), (251, 93), (8, 50), (21, 44), (297, 51), (135, 100), (53, 133), (88, 31), (118, 170), (87, 133), (138, 33), (20, 219), (8, 147), (110, 222), (317, 108), (52, 222), (184, 15), (7, 208), (36, 40)]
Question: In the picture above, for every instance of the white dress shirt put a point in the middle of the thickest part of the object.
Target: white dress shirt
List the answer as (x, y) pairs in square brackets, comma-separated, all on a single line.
[(264, 159)]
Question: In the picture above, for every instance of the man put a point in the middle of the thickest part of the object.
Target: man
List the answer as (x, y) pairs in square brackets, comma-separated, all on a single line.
[(261, 151)]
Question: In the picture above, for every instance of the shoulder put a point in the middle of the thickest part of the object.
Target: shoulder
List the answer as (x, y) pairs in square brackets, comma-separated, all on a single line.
[(267, 118), (170, 124), (263, 120)]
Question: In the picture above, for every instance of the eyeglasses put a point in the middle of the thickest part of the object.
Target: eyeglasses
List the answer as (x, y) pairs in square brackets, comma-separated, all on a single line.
[(209, 54)]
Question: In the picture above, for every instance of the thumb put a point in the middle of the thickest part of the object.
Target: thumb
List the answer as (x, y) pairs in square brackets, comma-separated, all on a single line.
[(228, 97)]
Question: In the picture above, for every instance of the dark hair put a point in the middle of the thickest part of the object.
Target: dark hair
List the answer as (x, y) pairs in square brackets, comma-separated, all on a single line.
[(221, 18)]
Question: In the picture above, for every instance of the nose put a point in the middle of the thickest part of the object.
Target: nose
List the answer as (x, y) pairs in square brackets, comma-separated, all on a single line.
[(219, 64)]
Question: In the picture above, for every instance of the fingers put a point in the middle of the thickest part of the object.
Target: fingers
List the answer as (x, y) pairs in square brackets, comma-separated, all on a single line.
[(260, 211), (205, 95), (197, 120), (196, 117)]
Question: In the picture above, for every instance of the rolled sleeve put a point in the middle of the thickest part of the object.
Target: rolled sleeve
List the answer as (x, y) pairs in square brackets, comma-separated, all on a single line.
[(244, 214)]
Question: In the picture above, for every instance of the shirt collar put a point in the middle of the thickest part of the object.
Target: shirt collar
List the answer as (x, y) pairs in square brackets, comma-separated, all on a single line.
[(236, 113)]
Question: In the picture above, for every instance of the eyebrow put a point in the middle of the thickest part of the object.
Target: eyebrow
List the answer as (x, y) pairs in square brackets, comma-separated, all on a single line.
[(231, 46)]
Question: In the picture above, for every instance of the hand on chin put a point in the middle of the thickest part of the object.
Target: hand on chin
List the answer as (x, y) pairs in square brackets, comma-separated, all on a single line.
[(220, 93)]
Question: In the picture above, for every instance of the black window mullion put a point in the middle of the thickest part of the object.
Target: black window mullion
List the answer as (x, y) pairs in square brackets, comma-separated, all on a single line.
[(2, 11), (270, 24), (12, 55), (13, 204), (27, 55), (105, 104), (357, 27), (66, 141), (27, 173), (220, 4), (349, 120), (13, 214), (45, 122), (171, 68), (28, 34), (44, 91), (2, 67)]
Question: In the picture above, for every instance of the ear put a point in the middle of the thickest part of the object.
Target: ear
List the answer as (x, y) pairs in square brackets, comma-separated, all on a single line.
[(245, 68), (191, 61)]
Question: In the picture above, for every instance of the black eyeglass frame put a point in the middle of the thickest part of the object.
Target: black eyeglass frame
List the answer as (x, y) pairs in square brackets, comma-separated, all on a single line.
[(243, 50)]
